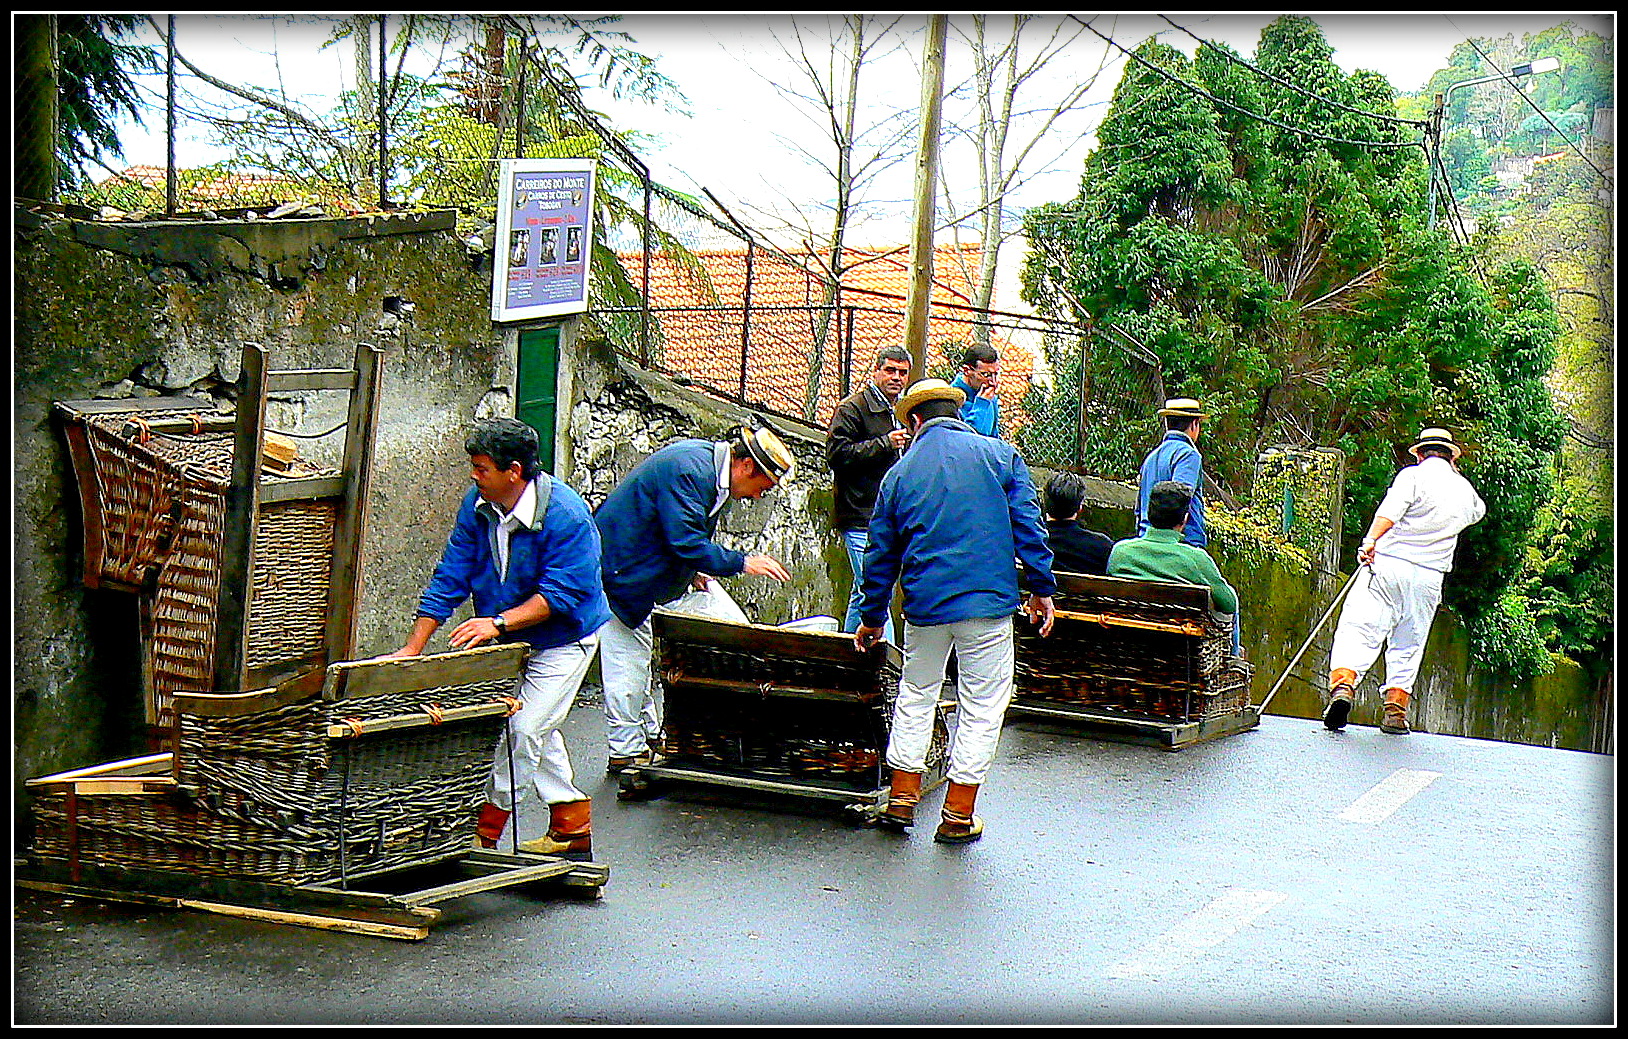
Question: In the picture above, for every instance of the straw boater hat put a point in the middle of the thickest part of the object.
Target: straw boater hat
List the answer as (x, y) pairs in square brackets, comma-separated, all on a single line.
[(768, 451), (924, 390), (1181, 407), (1435, 436)]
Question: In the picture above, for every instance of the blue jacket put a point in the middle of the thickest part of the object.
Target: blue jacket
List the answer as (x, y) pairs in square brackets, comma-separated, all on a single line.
[(953, 514), (658, 532), (982, 414), (1176, 458), (557, 557)]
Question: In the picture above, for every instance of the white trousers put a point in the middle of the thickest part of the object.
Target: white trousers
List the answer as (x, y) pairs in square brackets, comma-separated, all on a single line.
[(1392, 603), (633, 702), (548, 687), (984, 658)]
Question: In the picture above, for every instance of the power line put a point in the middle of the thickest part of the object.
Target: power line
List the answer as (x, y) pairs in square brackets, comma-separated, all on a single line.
[(1200, 91), (1533, 104), (1299, 90)]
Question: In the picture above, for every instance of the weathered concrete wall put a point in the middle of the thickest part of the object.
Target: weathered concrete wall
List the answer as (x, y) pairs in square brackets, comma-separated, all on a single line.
[(149, 310)]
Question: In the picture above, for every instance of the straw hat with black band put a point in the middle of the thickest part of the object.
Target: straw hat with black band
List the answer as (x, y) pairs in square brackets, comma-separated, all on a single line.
[(1182, 407), (1435, 436), (923, 390), (770, 452)]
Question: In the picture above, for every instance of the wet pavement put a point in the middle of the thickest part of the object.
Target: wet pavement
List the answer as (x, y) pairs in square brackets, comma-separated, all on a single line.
[(1280, 876)]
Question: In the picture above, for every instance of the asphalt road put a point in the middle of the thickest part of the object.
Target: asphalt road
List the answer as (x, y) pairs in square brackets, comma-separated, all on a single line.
[(1286, 875)]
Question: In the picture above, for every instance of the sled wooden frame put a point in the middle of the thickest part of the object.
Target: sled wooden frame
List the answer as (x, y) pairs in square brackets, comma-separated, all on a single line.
[(1124, 727), (858, 805), (352, 906), (362, 908)]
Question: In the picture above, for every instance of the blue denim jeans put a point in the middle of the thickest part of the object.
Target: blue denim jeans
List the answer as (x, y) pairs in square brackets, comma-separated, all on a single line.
[(855, 541)]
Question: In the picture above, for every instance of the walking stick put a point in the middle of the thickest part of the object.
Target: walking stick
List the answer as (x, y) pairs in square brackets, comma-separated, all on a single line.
[(1261, 710)]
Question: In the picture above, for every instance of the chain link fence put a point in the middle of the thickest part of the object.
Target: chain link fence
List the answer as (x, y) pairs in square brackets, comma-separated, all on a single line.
[(679, 285)]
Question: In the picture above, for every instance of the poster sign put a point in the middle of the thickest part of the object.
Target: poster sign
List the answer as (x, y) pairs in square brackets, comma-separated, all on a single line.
[(545, 213)]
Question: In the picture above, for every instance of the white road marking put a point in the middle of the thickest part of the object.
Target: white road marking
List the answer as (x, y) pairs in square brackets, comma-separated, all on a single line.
[(1203, 930), (1395, 791)]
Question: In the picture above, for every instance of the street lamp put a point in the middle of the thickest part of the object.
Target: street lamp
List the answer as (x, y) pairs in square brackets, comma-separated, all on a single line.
[(1530, 68)]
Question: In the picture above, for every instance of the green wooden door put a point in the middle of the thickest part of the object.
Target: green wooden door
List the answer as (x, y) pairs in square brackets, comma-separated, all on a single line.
[(536, 380)]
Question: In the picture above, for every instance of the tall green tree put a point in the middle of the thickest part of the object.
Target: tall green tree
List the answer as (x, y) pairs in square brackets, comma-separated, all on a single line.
[(1288, 280)]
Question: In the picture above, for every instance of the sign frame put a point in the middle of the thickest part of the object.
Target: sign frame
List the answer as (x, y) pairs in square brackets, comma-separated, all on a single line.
[(545, 213)]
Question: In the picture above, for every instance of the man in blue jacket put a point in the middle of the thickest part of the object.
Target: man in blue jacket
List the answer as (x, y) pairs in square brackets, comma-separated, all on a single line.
[(1177, 458), (953, 516), (657, 528), (980, 371), (524, 546)]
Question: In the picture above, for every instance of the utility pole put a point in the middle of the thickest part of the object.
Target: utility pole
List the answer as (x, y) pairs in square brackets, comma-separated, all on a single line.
[(921, 245), (34, 111)]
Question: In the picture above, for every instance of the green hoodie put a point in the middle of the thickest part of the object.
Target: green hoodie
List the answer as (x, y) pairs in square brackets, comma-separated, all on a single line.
[(1160, 555)]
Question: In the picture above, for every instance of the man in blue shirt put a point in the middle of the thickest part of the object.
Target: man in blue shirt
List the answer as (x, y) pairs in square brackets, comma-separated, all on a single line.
[(525, 548), (1177, 458), (952, 519), (980, 370), (657, 528)]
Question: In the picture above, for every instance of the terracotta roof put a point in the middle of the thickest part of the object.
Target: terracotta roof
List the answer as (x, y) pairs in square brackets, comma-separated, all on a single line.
[(218, 186), (785, 312)]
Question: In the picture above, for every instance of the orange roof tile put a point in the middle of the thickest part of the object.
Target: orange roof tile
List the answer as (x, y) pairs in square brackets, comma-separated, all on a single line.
[(785, 315)]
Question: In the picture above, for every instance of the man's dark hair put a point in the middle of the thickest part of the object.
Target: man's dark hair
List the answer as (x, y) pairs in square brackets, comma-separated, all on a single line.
[(1182, 423), (891, 353), (1065, 492), (506, 441), (1435, 451), (1167, 504), (938, 407), (979, 352)]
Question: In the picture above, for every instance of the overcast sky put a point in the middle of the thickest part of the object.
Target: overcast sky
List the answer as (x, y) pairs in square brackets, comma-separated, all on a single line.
[(734, 141)]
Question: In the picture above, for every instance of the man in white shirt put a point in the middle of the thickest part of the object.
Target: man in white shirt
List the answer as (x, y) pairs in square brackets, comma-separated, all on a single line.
[(1408, 548)]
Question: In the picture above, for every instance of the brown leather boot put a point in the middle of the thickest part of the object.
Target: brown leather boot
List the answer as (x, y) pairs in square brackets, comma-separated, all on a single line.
[(1395, 719), (904, 791), (1342, 683), (569, 832), (489, 825), (960, 826)]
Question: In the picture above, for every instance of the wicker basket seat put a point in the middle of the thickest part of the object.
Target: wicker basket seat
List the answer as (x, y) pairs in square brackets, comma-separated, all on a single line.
[(757, 700), (381, 765), (1143, 649)]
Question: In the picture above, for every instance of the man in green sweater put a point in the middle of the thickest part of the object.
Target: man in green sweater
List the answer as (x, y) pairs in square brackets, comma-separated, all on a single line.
[(1161, 555)]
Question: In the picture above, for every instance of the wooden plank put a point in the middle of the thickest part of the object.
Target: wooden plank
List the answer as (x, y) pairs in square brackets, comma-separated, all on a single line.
[(490, 882), (321, 922), (242, 516), (380, 675), (236, 705), (291, 379), (772, 689), (98, 894), (301, 488), (581, 873), (149, 765), (350, 526), (1116, 621), (1167, 592), (79, 409), (420, 720), (764, 638)]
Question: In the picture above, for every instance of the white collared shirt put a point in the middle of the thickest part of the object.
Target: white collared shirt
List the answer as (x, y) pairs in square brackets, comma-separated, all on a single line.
[(523, 515), (723, 481), (1429, 504)]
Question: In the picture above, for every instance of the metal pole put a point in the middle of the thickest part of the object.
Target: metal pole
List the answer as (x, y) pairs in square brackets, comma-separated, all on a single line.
[(169, 118), (384, 192), (644, 232), (921, 247), (520, 107), (1261, 710), (746, 317)]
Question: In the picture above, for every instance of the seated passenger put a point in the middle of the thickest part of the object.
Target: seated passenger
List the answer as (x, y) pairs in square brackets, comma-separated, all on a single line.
[(1074, 549), (1161, 555)]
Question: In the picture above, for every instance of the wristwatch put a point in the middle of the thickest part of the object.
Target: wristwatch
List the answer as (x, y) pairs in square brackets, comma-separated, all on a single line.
[(500, 624)]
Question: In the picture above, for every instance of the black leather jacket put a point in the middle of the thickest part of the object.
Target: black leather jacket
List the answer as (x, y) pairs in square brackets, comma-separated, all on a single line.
[(858, 451)]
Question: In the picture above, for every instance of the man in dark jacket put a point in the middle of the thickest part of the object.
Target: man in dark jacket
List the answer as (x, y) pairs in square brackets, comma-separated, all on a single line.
[(864, 441), (657, 528), (525, 548), (954, 517), (1074, 549)]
